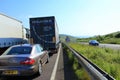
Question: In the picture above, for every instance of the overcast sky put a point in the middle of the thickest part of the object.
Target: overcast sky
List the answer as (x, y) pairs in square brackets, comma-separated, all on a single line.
[(74, 17)]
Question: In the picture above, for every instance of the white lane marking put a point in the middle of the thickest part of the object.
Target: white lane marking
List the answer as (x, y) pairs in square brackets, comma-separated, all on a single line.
[(55, 66)]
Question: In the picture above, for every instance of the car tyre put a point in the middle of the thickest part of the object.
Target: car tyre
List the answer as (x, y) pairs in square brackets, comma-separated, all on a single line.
[(40, 68), (47, 59)]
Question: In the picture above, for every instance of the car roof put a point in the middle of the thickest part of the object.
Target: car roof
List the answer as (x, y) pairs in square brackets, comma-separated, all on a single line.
[(25, 45)]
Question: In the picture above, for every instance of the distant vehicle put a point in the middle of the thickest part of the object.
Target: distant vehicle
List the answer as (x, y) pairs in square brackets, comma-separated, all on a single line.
[(67, 39), (44, 31), (94, 42), (23, 60), (12, 32)]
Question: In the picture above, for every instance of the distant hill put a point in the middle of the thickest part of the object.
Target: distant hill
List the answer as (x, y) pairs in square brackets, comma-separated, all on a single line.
[(63, 37), (111, 38)]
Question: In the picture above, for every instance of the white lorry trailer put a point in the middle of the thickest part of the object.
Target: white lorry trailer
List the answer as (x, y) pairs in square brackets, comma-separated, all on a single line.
[(12, 32)]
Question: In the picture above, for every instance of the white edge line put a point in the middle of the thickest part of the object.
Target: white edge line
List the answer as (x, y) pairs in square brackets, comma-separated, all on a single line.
[(55, 66)]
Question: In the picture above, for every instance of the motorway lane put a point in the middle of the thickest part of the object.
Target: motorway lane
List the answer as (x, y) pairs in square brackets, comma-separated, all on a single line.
[(46, 74), (112, 46), (47, 69), (60, 67)]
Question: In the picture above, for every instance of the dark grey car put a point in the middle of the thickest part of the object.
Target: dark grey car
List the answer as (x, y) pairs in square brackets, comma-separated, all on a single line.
[(23, 60)]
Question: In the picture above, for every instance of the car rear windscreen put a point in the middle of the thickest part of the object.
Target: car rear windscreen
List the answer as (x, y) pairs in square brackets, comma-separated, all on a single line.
[(19, 50)]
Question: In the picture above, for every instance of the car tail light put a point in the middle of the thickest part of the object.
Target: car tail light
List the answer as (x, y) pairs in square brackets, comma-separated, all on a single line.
[(28, 61)]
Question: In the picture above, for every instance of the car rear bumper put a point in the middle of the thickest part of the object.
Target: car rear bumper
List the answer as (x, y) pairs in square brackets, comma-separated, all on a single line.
[(18, 71)]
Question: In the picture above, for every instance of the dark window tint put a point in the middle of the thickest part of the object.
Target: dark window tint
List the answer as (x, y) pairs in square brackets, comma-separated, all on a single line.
[(19, 50)]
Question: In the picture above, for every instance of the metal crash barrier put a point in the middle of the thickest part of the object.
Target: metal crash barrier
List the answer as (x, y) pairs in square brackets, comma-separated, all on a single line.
[(93, 70)]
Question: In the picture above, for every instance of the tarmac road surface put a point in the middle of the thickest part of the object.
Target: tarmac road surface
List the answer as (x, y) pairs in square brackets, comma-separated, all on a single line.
[(46, 74), (47, 70), (112, 46)]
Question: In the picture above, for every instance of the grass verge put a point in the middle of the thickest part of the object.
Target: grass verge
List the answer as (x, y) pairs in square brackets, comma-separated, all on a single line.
[(106, 58), (79, 71)]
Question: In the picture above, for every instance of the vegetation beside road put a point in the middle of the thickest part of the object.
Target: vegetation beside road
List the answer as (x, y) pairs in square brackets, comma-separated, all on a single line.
[(63, 37), (107, 59), (78, 70), (112, 38)]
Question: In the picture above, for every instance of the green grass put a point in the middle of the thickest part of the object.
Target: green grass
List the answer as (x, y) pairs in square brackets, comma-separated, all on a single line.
[(63, 37), (79, 71), (107, 59), (112, 38), (111, 41)]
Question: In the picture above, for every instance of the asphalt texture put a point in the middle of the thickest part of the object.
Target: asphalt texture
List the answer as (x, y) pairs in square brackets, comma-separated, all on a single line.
[(46, 74), (64, 70)]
